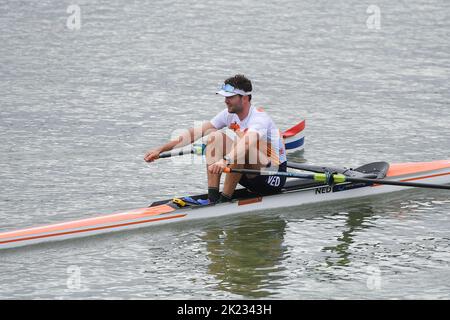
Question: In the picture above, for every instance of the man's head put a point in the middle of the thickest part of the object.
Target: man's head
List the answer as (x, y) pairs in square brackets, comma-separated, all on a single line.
[(237, 91)]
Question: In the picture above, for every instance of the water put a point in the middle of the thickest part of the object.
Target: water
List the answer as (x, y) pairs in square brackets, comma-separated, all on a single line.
[(79, 108)]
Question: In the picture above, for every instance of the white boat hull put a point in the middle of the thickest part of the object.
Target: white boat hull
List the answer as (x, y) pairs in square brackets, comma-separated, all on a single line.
[(438, 173)]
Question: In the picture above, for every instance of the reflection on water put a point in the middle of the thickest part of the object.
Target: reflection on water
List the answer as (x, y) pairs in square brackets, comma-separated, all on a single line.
[(295, 250), (246, 256), (298, 156), (355, 218)]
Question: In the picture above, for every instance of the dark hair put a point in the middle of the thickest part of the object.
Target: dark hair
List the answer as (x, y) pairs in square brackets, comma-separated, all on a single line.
[(239, 81)]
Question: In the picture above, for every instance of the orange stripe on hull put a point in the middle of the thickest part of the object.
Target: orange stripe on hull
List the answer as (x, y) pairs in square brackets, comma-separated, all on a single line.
[(426, 177), (399, 169), (90, 229), (117, 217), (249, 201)]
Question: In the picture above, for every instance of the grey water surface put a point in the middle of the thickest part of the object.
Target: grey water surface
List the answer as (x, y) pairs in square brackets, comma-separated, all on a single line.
[(81, 104)]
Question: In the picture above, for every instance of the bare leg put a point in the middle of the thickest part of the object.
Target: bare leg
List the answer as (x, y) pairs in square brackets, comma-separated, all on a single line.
[(232, 179), (220, 144), (217, 146)]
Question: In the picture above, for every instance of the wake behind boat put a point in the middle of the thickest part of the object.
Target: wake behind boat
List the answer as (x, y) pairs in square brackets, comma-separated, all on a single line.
[(329, 184)]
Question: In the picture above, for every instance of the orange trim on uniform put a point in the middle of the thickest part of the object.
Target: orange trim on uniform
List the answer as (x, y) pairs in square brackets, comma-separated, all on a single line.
[(235, 126)]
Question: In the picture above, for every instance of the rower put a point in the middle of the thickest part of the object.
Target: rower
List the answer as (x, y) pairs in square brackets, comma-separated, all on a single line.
[(251, 141)]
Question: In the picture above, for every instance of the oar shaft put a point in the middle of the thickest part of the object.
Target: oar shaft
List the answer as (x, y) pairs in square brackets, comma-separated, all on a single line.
[(399, 183), (313, 168), (270, 173), (318, 177), (338, 178)]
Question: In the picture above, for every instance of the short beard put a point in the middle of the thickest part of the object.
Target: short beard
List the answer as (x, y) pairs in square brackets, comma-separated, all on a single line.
[(237, 108)]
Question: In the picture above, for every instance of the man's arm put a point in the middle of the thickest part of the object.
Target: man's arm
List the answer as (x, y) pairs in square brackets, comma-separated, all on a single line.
[(188, 137)]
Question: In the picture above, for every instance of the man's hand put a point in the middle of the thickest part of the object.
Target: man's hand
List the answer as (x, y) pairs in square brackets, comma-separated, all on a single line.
[(152, 155), (217, 167)]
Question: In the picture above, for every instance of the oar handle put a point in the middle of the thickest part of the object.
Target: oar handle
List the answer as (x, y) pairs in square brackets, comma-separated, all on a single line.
[(172, 154), (196, 149)]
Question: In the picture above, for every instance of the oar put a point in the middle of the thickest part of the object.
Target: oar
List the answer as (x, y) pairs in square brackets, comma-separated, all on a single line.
[(196, 149), (307, 167), (313, 168), (330, 178)]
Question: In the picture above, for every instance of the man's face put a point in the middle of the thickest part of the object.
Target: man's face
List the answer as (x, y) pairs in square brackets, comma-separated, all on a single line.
[(234, 104)]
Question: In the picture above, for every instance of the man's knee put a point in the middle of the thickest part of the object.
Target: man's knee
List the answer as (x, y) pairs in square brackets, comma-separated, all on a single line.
[(216, 137), (215, 146), (219, 141)]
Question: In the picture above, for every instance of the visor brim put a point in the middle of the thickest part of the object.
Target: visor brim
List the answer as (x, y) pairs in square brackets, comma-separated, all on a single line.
[(226, 94)]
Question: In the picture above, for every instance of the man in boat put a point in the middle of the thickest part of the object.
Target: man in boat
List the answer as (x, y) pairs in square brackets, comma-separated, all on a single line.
[(251, 141)]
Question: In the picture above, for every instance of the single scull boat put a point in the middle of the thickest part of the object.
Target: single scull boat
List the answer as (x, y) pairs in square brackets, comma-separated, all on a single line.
[(311, 188)]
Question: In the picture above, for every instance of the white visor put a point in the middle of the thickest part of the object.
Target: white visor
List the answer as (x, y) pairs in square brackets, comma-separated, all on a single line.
[(228, 91)]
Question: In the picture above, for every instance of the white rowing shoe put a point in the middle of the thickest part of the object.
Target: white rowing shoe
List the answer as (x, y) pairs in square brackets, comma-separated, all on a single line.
[(308, 188)]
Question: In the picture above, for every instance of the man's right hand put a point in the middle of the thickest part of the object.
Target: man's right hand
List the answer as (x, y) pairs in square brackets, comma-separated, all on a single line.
[(152, 155)]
